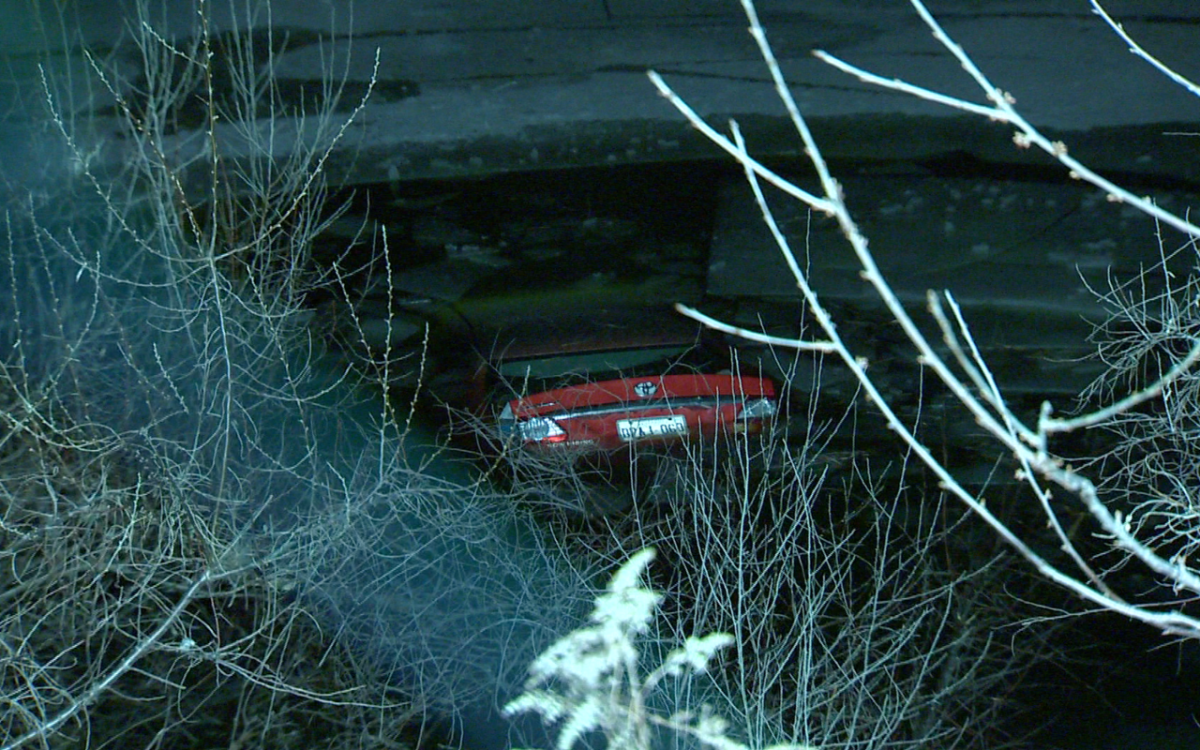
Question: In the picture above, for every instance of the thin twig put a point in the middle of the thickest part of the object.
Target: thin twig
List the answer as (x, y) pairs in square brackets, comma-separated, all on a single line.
[(1137, 49), (93, 693)]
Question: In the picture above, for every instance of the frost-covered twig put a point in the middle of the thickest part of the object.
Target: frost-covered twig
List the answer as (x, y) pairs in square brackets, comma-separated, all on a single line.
[(978, 392), (1137, 49), (591, 679), (1003, 109)]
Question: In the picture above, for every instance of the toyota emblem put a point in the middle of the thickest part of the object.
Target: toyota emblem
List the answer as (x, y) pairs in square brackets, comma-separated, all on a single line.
[(645, 389)]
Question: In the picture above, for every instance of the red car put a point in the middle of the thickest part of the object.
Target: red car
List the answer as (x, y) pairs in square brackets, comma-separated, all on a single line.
[(611, 414)]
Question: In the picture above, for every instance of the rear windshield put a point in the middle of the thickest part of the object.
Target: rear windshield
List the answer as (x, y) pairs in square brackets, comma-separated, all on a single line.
[(606, 365)]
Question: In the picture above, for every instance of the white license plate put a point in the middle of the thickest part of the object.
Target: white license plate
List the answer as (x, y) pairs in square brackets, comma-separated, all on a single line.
[(638, 429)]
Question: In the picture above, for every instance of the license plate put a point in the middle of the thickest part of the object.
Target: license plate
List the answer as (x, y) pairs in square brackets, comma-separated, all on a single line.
[(650, 427)]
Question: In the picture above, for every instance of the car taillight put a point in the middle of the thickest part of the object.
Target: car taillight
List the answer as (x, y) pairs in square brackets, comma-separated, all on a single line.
[(759, 408), (541, 430), (535, 430)]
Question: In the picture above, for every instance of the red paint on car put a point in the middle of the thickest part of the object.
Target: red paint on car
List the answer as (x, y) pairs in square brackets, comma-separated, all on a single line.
[(613, 413)]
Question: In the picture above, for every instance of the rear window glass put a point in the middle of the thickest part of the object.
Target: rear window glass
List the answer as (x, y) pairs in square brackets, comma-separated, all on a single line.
[(595, 365)]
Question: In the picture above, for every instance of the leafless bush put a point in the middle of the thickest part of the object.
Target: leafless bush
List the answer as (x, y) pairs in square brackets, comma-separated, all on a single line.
[(129, 619), (206, 514), (1152, 474), (144, 347), (860, 617)]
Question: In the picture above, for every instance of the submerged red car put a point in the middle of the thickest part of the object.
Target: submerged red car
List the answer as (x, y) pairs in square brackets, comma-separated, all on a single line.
[(611, 414)]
